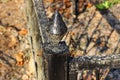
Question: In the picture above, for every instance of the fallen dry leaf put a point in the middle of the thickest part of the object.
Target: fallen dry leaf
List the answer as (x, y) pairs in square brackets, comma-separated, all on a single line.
[(20, 59), (89, 5), (13, 42), (67, 3), (51, 1), (68, 12), (20, 63), (23, 32)]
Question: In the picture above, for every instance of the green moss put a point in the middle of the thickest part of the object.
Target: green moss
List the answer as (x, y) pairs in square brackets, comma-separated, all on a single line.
[(107, 4)]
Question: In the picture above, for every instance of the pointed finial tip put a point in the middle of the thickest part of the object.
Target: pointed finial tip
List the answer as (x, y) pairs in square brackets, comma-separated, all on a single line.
[(56, 11), (58, 27)]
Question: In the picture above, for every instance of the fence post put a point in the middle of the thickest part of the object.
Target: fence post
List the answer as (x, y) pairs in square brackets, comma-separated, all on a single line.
[(73, 75), (56, 61), (56, 51)]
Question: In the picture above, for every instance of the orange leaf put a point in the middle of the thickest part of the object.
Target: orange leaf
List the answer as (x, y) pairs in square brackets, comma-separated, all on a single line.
[(19, 58), (89, 5), (67, 3), (23, 32), (13, 42), (20, 63)]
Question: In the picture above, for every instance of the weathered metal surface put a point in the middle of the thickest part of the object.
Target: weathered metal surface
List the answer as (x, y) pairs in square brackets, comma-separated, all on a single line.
[(93, 62), (56, 61), (58, 28), (55, 51), (36, 37), (42, 20)]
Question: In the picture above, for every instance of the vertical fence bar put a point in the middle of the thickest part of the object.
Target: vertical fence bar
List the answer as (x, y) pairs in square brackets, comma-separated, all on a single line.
[(56, 61), (56, 51), (57, 66), (73, 75)]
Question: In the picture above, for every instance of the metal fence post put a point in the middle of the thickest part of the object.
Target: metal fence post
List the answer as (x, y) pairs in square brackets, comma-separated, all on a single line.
[(56, 51), (56, 62)]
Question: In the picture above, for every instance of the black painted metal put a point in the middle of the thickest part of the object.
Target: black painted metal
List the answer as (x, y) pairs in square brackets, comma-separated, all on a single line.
[(42, 20), (94, 62), (58, 65), (73, 75), (58, 28), (56, 57), (55, 52)]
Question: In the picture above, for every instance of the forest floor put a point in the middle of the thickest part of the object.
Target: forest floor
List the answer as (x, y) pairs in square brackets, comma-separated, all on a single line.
[(92, 32), (14, 42)]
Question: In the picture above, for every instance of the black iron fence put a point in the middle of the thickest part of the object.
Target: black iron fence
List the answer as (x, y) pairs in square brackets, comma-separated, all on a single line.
[(58, 65)]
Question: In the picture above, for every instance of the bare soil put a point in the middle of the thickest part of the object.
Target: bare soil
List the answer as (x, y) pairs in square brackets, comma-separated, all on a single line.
[(14, 42)]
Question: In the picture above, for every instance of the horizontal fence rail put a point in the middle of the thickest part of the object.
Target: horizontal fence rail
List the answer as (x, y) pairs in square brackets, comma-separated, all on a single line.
[(93, 62)]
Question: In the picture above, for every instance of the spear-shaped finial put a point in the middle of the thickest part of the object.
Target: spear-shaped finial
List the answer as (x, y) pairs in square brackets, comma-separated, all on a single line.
[(58, 28)]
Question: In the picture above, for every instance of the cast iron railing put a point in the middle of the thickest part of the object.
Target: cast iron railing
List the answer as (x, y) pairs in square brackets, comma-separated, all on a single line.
[(58, 65)]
